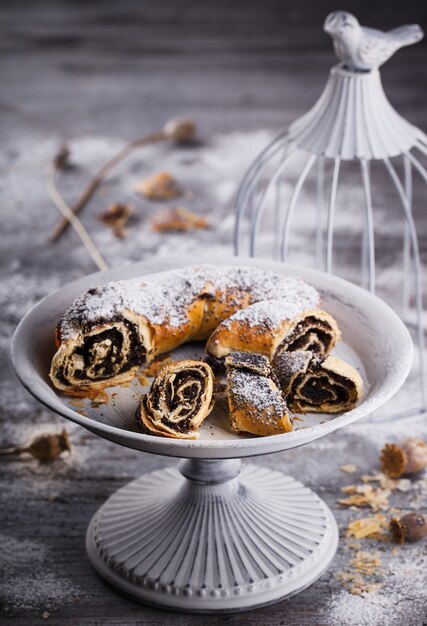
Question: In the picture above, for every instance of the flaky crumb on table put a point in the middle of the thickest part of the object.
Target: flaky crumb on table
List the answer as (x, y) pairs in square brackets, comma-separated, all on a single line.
[(374, 527), (365, 496)]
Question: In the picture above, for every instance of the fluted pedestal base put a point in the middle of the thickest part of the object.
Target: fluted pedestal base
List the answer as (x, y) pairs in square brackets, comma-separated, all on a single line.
[(209, 539)]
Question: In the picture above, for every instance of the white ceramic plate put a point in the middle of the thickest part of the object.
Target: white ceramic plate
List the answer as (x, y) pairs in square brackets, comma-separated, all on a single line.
[(375, 341)]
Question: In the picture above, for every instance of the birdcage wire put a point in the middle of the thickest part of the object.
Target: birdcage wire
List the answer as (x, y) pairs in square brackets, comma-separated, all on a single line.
[(352, 122)]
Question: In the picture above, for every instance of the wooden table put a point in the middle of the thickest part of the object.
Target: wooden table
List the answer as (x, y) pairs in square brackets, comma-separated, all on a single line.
[(97, 76)]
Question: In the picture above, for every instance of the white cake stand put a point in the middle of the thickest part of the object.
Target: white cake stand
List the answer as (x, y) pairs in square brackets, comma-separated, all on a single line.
[(209, 535)]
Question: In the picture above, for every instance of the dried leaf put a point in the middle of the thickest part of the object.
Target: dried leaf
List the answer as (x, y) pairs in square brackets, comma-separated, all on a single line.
[(159, 186), (116, 217), (178, 219)]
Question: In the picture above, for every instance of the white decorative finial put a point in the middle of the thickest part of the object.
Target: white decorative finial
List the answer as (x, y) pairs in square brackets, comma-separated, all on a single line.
[(361, 48)]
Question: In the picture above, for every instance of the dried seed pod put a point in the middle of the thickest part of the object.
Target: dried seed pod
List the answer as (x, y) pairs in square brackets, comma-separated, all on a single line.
[(62, 159), (180, 129), (44, 448), (49, 447), (410, 527), (408, 458)]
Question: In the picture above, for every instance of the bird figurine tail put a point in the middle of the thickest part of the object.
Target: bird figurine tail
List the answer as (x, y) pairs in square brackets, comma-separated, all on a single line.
[(407, 35), (361, 48)]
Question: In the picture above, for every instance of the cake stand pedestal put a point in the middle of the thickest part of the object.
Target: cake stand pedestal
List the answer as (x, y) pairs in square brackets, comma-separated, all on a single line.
[(212, 536), (208, 536)]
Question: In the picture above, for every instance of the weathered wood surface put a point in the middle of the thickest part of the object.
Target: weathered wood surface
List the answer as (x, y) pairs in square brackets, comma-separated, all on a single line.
[(98, 75)]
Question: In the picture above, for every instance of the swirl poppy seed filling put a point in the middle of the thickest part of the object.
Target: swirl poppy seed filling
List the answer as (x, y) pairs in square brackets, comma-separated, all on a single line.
[(311, 383), (103, 354), (180, 398), (273, 326), (312, 334), (316, 390)]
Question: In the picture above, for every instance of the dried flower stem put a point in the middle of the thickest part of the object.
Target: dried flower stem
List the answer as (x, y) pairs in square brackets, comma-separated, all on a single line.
[(70, 218), (97, 179)]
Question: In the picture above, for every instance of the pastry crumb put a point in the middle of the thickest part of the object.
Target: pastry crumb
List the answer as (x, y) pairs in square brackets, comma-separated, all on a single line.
[(157, 365), (97, 396), (79, 402), (374, 527), (362, 579), (367, 562), (365, 496), (391, 484), (348, 469), (143, 380)]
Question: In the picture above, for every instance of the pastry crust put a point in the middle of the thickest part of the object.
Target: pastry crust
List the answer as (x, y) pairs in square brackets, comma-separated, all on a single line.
[(111, 330), (312, 384), (256, 403), (180, 398), (274, 326)]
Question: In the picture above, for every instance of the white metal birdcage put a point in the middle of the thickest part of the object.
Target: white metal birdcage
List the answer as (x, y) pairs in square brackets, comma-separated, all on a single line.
[(352, 123)]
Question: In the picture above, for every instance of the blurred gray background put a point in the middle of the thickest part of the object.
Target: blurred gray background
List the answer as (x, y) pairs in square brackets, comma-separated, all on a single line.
[(98, 74)]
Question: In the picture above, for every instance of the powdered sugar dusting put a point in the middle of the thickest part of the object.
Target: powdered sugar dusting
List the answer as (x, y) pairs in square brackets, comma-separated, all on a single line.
[(287, 364), (252, 390), (270, 313), (374, 610), (42, 589), (164, 298)]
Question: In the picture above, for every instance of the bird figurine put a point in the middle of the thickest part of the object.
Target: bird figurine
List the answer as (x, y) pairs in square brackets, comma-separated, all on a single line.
[(363, 49)]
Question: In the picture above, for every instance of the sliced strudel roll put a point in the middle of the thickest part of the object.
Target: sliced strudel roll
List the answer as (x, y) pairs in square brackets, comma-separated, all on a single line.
[(256, 403), (274, 326), (313, 384), (110, 330), (180, 398)]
